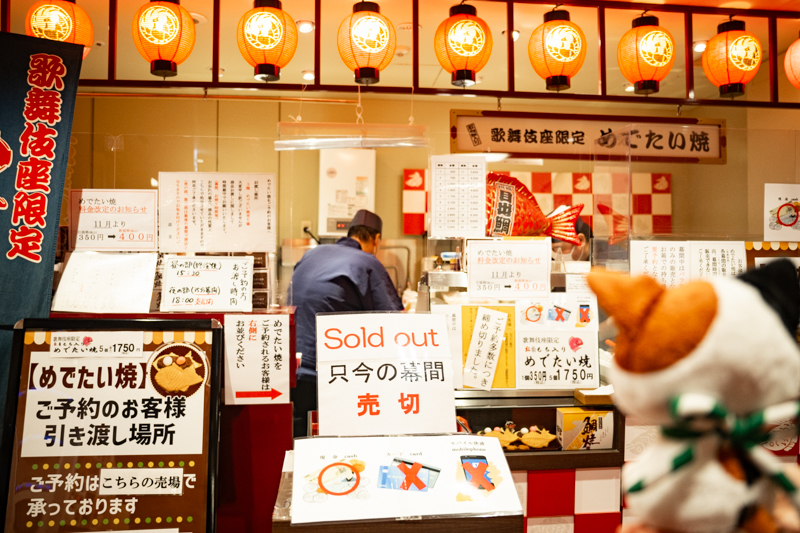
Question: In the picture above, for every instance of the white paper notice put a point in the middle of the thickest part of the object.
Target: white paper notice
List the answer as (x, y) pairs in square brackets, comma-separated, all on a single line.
[(458, 196), (106, 283), (452, 315), (200, 284), (256, 359), (96, 343), (348, 479), (674, 263), (557, 360), (216, 212), (384, 374), (717, 259), (781, 212), (666, 261), (484, 347), (113, 219), (346, 184), (509, 268)]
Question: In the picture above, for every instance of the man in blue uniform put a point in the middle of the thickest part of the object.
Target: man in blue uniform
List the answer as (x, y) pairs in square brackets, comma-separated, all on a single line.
[(340, 277)]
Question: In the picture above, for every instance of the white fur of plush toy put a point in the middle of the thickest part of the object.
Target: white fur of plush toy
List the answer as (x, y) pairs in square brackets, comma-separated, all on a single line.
[(747, 361)]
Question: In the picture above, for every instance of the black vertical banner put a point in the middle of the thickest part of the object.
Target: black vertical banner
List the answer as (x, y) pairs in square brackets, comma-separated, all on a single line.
[(38, 86)]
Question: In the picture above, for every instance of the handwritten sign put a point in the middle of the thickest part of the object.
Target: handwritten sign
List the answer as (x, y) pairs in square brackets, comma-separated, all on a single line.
[(384, 373), (106, 283), (484, 348), (558, 135), (207, 284), (216, 212), (509, 268), (379, 478), (674, 263), (458, 196), (113, 219), (256, 359), (557, 360)]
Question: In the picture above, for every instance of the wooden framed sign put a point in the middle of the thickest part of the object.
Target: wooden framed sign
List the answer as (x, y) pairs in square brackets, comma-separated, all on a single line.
[(572, 136), (112, 425)]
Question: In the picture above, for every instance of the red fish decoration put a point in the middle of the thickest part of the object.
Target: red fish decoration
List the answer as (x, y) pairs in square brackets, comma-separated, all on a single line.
[(513, 210)]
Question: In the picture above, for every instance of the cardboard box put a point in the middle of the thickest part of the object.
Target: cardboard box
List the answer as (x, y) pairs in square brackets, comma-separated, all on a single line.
[(591, 397), (580, 428)]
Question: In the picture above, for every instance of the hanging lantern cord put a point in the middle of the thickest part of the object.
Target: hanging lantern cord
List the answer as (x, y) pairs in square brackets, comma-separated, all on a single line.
[(300, 107), (644, 12), (411, 118), (557, 6), (359, 108)]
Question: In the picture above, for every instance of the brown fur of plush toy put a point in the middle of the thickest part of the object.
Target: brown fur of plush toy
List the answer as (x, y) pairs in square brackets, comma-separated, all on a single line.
[(648, 318)]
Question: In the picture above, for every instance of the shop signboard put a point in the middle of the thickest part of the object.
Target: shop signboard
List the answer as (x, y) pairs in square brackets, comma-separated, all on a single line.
[(568, 136), (509, 268), (257, 359), (216, 212), (207, 283), (384, 374), (113, 219), (116, 426), (390, 478), (39, 82)]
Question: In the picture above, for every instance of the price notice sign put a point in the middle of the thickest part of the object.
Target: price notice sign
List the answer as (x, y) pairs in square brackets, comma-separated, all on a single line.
[(101, 437), (384, 373), (509, 268), (113, 219), (207, 284)]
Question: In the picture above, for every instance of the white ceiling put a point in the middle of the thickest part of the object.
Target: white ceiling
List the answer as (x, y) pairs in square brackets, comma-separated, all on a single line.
[(130, 66)]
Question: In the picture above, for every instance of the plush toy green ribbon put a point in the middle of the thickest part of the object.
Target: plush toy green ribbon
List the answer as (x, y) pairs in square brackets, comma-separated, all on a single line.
[(699, 415)]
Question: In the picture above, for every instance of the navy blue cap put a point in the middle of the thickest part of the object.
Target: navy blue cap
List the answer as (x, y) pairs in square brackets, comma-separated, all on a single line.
[(368, 219)]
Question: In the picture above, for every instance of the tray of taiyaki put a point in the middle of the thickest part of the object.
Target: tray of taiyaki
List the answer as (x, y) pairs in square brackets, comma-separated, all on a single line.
[(525, 439)]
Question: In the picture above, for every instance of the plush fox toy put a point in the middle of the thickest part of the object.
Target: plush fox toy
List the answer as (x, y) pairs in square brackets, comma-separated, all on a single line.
[(696, 359)]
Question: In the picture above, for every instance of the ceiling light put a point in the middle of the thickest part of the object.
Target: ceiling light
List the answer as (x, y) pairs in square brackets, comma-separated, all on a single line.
[(699, 46), (401, 50), (468, 95), (629, 88), (305, 26), (308, 75), (514, 34), (407, 26), (153, 182)]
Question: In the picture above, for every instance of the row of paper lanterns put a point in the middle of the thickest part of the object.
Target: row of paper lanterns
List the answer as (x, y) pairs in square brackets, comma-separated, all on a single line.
[(164, 34)]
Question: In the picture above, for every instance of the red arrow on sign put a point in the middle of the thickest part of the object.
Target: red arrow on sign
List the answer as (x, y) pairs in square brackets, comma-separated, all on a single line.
[(272, 394)]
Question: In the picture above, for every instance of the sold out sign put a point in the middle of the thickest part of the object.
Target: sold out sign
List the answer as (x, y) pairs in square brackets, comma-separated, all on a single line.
[(381, 335)]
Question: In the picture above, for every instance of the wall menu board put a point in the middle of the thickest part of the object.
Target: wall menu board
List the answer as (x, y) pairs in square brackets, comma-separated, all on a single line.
[(120, 437)]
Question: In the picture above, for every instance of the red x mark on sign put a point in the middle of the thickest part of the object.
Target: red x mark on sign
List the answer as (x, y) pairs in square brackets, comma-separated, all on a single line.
[(411, 476), (478, 475), (560, 314)]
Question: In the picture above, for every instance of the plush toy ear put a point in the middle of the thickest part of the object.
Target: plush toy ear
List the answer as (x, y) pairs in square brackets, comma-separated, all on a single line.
[(627, 299)]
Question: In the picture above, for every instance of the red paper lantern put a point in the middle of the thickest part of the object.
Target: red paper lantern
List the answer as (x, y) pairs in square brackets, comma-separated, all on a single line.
[(557, 49), (731, 58), (366, 42), (164, 34), (791, 63), (60, 20), (267, 38), (463, 44), (645, 54)]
